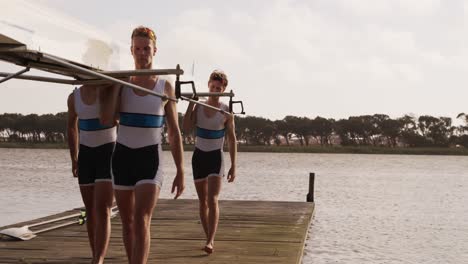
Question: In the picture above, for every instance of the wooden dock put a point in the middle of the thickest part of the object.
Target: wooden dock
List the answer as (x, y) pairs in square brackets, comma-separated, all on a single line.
[(249, 232)]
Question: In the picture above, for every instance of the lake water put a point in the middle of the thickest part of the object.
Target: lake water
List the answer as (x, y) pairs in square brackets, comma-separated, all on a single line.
[(369, 208)]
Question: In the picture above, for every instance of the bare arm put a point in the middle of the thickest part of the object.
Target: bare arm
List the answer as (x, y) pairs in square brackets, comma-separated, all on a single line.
[(232, 143), (175, 140), (190, 118), (109, 102), (72, 132)]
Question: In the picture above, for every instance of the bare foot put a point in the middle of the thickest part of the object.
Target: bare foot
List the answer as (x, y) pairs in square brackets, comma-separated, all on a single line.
[(208, 248)]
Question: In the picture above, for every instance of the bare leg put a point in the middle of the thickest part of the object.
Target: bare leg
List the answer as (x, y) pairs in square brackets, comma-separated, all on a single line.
[(202, 192), (87, 194), (126, 203), (214, 187), (146, 197), (103, 202)]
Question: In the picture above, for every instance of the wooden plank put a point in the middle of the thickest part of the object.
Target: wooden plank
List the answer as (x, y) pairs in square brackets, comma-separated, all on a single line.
[(249, 232)]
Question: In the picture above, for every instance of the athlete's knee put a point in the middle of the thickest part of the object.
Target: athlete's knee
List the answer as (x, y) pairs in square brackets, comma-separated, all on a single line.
[(143, 219), (104, 203), (103, 211), (127, 219), (203, 203), (212, 200)]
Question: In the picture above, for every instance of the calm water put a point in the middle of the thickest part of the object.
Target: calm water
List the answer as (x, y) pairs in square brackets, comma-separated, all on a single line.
[(369, 208)]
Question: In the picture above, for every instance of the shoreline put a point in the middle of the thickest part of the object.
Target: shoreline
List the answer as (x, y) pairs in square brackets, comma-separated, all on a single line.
[(288, 149)]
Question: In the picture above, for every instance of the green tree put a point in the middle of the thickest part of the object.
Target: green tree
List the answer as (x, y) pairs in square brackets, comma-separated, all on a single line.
[(322, 129)]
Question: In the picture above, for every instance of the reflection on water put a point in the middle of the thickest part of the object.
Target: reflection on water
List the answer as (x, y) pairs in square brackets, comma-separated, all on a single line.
[(369, 208)]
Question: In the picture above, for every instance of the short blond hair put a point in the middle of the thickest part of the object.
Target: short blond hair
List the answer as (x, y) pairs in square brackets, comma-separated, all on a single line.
[(144, 32)]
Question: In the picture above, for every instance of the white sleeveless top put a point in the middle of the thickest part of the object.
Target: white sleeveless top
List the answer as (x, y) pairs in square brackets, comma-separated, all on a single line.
[(141, 117), (92, 132), (210, 130)]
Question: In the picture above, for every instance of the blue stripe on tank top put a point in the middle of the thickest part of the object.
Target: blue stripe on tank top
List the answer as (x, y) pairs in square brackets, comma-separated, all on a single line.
[(91, 125), (209, 134), (141, 120)]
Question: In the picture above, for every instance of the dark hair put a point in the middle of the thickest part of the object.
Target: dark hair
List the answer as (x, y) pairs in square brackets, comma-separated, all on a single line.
[(218, 75)]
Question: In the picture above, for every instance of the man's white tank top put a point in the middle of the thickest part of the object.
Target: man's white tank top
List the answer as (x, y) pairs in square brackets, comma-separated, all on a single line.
[(92, 132), (141, 117), (210, 130)]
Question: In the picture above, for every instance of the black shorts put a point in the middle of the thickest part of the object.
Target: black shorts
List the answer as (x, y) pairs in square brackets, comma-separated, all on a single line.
[(94, 163), (131, 167), (207, 163)]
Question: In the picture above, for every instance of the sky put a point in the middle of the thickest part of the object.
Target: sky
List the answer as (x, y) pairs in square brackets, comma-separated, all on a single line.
[(329, 58)]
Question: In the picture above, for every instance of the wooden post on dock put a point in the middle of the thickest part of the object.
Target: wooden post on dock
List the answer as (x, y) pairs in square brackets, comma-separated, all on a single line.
[(310, 195)]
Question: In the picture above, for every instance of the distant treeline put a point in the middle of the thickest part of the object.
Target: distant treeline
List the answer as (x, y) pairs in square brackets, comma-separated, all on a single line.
[(33, 128), (365, 130)]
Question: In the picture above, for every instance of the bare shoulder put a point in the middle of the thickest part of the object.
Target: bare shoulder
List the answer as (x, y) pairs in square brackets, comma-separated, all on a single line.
[(71, 99), (71, 106), (168, 87), (225, 107), (228, 117)]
